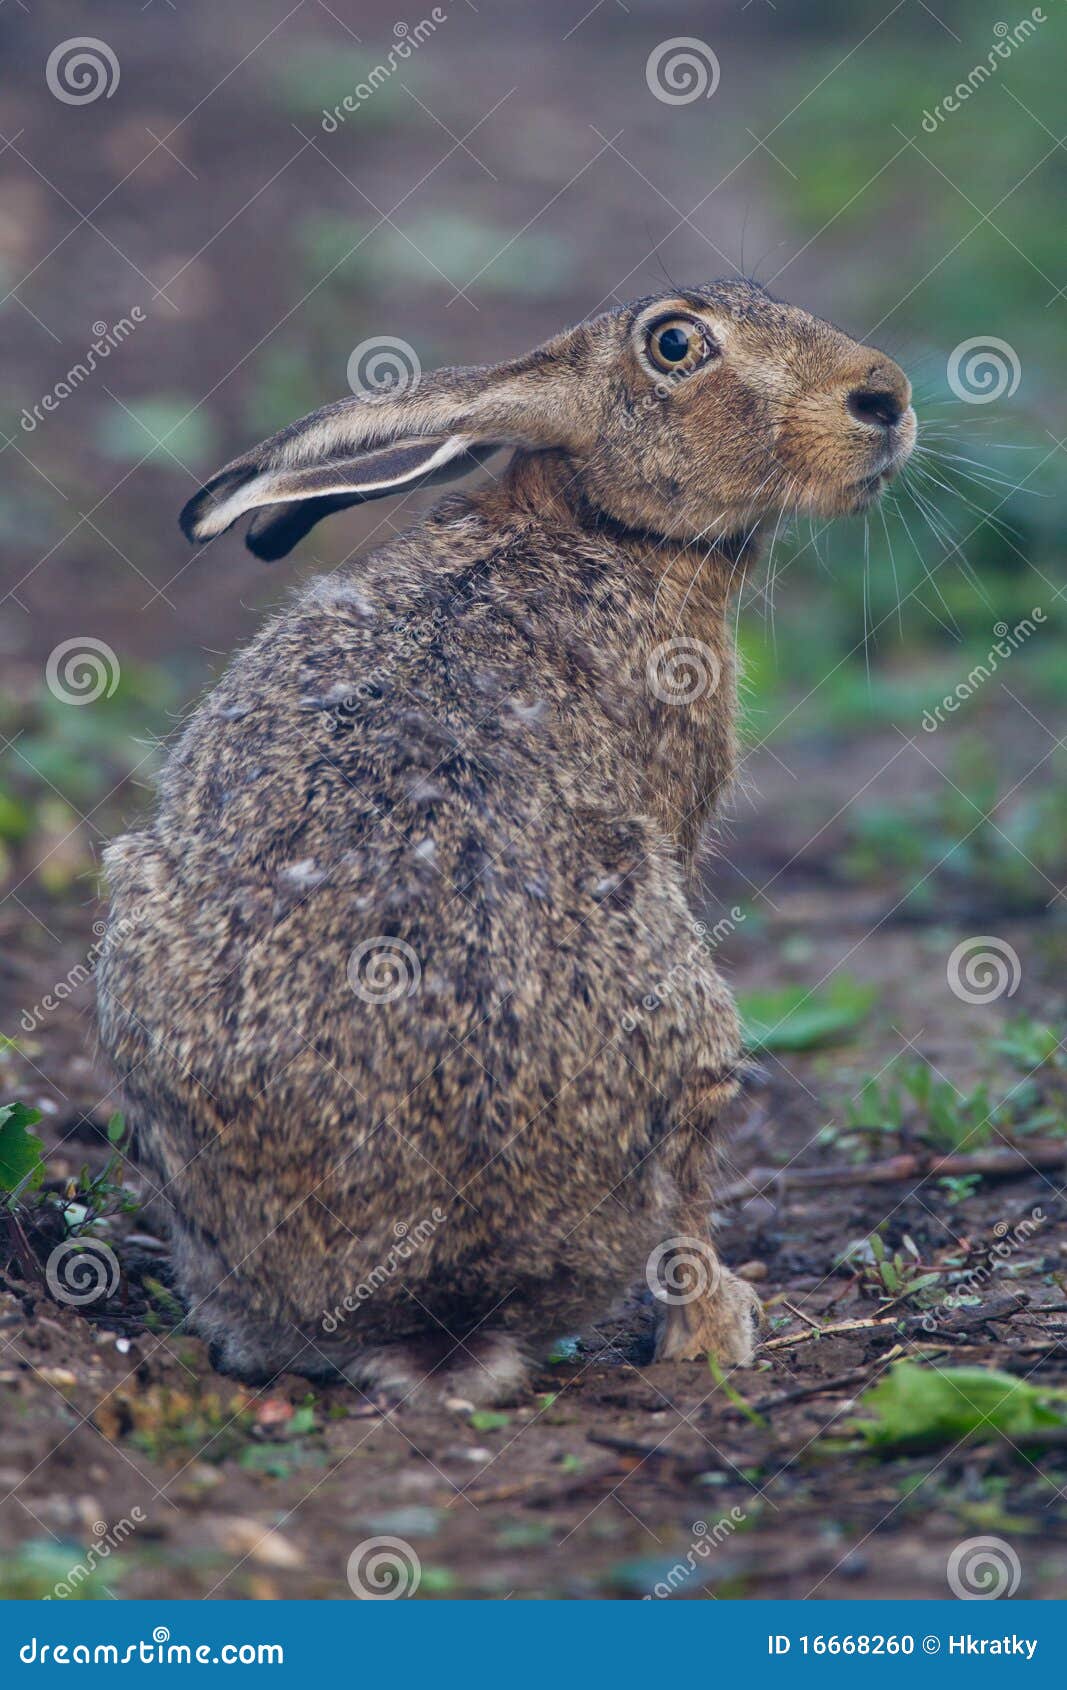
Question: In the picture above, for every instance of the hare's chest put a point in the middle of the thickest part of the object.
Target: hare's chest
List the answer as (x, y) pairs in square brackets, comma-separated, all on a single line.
[(689, 737)]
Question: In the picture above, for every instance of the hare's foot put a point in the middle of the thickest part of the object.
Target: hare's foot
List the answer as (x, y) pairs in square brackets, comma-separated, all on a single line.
[(721, 1319), (487, 1369)]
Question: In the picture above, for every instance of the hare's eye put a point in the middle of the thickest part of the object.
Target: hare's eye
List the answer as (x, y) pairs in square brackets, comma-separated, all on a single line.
[(677, 344)]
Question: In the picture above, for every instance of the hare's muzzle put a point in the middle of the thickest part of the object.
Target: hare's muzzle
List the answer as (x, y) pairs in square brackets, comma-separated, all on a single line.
[(881, 425)]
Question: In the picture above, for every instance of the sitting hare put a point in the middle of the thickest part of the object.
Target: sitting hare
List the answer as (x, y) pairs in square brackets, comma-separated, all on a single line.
[(375, 984)]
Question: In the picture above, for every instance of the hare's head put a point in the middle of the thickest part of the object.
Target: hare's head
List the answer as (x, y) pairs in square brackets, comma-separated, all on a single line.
[(698, 413)]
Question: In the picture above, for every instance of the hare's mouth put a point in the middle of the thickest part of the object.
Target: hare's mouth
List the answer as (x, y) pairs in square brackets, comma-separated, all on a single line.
[(871, 486), (864, 493)]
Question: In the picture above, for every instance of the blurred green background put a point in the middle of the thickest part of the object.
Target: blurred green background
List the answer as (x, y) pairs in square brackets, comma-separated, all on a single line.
[(514, 172)]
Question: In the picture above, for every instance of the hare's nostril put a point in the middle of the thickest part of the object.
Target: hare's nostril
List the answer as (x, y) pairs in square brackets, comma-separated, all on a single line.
[(876, 407)]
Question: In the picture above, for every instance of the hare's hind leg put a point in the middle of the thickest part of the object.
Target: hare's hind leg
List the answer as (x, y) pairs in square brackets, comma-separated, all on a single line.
[(484, 1369), (703, 1308)]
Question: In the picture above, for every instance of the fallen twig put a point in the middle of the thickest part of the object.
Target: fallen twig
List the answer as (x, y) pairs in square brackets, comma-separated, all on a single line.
[(833, 1330), (1002, 1163), (537, 1492)]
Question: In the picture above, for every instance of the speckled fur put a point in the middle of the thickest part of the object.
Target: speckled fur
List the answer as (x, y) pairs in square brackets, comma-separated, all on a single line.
[(453, 743)]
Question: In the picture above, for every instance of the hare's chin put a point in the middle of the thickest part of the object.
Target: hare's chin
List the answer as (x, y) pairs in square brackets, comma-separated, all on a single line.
[(868, 491), (860, 495)]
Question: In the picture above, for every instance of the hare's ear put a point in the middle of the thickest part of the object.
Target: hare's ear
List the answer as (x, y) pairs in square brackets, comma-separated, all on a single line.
[(360, 449)]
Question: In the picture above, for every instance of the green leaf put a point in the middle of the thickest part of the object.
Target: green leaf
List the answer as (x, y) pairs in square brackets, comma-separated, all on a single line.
[(732, 1394), (797, 1018), (20, 1150), (924, 1407), (489, 1420), (303, 1421)]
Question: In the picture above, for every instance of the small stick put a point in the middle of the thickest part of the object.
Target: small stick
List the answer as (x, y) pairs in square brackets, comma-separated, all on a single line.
[(867, 1324), (783, 1302), (1005, 1164)]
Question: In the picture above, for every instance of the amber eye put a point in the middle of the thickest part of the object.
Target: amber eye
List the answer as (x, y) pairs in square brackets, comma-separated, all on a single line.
[(677, 343)]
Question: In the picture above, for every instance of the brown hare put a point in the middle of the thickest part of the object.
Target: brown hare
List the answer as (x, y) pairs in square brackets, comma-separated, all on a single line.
[(375, 991)]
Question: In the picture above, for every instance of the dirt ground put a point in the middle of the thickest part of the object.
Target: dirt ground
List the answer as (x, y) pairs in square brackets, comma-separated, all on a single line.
[(616, 1471)]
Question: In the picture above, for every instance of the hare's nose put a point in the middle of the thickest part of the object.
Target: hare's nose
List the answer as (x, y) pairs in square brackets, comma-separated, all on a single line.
[(877, 407)]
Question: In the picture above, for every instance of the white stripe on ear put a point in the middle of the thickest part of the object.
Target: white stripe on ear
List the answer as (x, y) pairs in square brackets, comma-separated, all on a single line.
[(370, 475)]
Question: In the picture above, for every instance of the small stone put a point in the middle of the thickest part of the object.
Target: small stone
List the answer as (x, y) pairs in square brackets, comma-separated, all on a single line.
[(853, 1566), (59, 1376), (752, 1271), (239, 1536)]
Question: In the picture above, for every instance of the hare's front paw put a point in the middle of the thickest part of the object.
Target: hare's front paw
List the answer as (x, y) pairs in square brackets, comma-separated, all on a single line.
[(724, 1321)]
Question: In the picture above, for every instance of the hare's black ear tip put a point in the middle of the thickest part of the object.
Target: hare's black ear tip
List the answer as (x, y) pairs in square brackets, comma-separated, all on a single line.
[(205, 516), (191, 517)]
